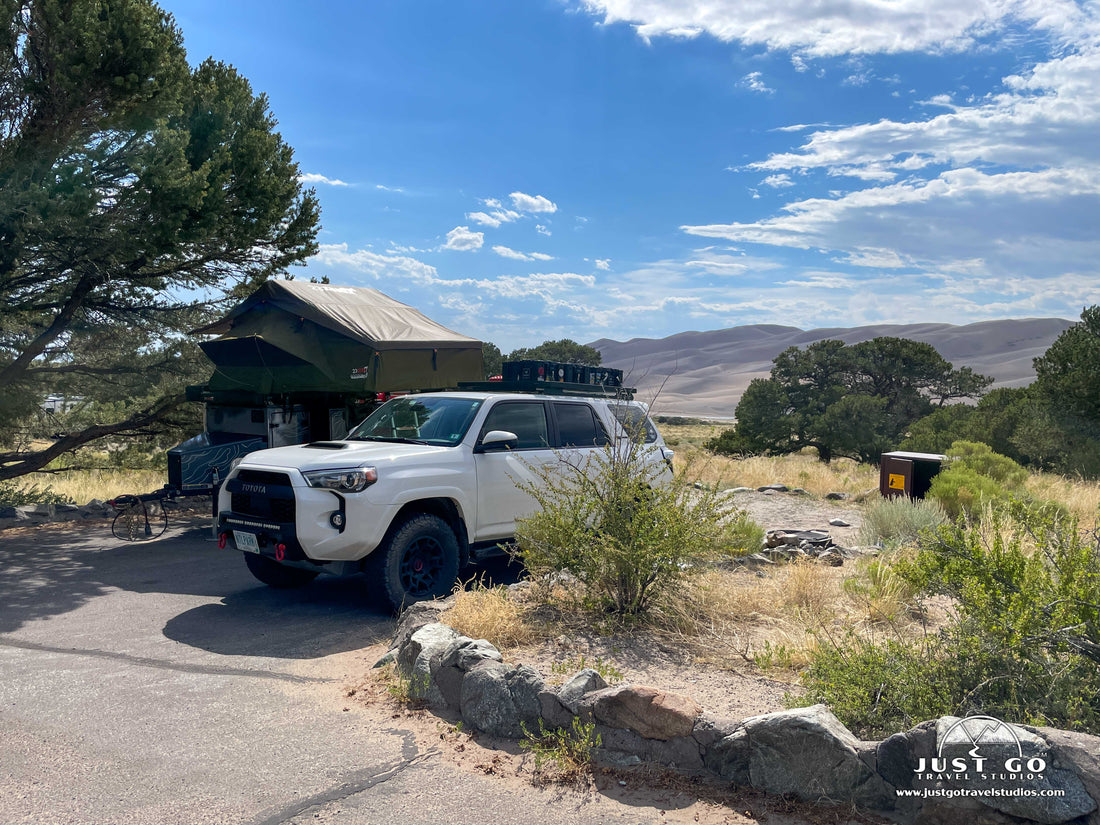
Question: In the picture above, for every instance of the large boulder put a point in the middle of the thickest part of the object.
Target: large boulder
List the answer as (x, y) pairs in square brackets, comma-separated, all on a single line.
[(652, 713), (805, 752), (1010, 769), (414, 659), (449, 667), (559, 707), (500, 700), (1079, 753)]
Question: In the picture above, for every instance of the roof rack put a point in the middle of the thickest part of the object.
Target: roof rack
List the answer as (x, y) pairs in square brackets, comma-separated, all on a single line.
[(550, 388)]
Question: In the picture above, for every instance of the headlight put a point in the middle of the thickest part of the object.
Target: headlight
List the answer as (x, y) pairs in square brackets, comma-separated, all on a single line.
[(343, 480)]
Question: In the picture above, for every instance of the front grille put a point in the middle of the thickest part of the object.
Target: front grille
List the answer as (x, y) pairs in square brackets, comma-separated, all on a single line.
[(273, 509), (263, 477)]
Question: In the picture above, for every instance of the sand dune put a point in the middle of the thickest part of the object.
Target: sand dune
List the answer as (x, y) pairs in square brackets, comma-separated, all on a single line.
[(704, 373)]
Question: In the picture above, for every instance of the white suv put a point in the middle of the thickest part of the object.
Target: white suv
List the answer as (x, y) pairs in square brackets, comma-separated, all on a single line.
[(423, 485)]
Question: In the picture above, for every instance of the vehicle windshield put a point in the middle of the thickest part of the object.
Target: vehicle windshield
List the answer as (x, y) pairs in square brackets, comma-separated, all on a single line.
[(419, 419)]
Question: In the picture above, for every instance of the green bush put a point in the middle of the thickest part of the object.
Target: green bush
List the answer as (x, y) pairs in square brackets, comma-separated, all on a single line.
[(1024, 644), (980, 457), (976, 476), (12, 495), (740, 536), (963, 491), (627, 539), (896, 521)]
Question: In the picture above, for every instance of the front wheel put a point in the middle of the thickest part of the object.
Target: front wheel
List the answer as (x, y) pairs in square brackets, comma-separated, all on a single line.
[(276, 575), (418, 562)]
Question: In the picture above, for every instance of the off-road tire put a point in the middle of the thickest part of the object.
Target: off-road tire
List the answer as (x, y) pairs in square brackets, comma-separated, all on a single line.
[(419, 561), (276, 575)]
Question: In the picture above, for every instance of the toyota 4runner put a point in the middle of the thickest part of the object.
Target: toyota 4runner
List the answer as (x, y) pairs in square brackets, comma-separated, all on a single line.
[(425, 484)]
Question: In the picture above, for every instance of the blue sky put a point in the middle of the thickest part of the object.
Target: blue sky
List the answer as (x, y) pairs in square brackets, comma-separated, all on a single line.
[(530, 169)]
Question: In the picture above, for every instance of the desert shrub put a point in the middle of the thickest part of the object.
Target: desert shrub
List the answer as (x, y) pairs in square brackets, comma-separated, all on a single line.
[(624, 537), (740, 536), (880, 590), (976, 476), (562, 754), (981, 458), (899, 520), (1024, 644), (962, 490)]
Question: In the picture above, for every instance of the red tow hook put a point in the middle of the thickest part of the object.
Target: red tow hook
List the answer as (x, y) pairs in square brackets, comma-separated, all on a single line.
[(280, 552), (222, 539)]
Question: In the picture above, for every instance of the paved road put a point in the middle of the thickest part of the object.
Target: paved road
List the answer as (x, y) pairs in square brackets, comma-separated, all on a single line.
[(159, 683)]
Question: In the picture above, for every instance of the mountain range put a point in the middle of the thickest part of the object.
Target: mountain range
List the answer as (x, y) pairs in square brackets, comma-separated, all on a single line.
[(704, 373)]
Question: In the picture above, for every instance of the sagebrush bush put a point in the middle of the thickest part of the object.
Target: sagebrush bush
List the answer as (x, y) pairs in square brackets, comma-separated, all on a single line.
[(1024, 645), (899, 520), (976, 476), (962, 491), (981, 459), (626, 538)]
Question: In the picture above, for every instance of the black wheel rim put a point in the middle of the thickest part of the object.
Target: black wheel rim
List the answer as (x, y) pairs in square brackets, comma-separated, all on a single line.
[(421, 566)]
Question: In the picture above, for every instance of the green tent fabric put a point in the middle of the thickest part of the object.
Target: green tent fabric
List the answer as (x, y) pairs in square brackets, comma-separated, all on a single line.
[(302, 337)]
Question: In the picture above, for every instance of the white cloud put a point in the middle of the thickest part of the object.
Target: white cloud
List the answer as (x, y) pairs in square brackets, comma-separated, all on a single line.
[(532, 203), (313, 177), (1010, 220), (463, 239), (384, 188), (754, 82), (377, 266), (506, 252), (778, 181), (831, 29), (603, 263), (542, 230), (495, 218)]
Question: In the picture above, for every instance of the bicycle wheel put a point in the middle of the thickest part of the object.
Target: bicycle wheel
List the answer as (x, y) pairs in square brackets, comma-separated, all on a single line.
[(139, 520)]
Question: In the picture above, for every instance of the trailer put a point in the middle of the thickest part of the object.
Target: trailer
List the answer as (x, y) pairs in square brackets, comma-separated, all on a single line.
[(297, 362)]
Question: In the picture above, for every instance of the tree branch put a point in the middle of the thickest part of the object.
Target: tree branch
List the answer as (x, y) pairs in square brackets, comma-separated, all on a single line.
[(17, 464)]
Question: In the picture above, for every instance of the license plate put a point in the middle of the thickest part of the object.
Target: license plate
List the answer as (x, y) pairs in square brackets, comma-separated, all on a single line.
[(246, 541)]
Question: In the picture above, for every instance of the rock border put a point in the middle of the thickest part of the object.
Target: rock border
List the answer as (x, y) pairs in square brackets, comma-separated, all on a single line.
[(804, 752)]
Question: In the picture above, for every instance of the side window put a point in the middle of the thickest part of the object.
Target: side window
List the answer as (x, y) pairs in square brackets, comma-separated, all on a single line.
[(578, 426), (527, 419)]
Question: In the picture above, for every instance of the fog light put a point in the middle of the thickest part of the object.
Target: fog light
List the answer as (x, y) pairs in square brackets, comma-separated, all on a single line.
[(337, 520)]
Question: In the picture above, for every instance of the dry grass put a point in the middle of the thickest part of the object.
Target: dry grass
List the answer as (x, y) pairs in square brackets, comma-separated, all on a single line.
[(800, 470), (491, 613), (81, 486), (1082, 498)]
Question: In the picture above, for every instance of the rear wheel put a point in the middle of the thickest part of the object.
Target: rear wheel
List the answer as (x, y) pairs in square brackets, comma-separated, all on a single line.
[(418, 562), (280, 576)]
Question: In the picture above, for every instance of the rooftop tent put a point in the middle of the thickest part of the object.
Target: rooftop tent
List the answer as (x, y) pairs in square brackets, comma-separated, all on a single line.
[(301, 337)]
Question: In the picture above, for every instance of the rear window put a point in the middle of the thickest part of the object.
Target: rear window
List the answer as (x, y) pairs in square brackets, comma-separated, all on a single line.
[(578, 427), (635, 421)]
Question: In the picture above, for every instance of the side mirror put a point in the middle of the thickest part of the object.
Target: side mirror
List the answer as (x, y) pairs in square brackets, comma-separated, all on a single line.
[(496, 440)]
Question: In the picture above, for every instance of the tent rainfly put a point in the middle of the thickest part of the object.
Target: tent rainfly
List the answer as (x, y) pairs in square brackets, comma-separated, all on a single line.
[(292, 337)]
